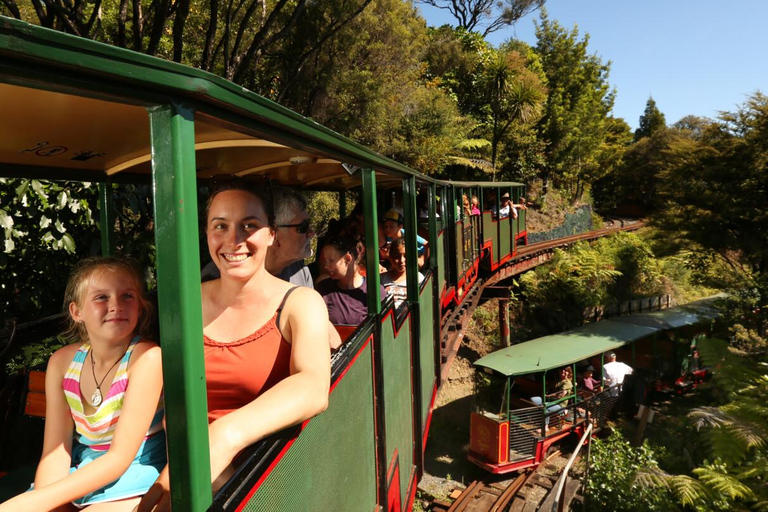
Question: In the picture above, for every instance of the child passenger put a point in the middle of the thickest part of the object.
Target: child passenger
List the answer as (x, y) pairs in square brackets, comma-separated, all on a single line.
[(395, 280), (104, 440)]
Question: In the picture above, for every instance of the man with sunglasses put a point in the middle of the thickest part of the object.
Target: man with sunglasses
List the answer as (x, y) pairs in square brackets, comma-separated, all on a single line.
[(293, 240)]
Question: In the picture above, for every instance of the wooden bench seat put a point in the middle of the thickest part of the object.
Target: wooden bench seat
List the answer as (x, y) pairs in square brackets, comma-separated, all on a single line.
[(34, 402)]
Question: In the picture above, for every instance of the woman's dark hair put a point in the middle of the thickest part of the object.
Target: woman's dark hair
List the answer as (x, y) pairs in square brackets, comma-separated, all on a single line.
[(345, 244), (261, 189), (398, 242)]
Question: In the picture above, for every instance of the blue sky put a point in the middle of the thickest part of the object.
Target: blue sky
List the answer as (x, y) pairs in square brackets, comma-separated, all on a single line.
[(693, 56)]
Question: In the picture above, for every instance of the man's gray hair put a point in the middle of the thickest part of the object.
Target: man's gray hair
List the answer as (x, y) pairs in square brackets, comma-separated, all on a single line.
[(288, 202)]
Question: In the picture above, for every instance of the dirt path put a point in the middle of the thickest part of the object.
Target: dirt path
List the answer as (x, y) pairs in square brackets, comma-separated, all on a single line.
[(446, 466)]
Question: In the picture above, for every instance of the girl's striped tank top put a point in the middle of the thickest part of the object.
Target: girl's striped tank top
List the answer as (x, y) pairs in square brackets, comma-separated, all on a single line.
[(97, 430)]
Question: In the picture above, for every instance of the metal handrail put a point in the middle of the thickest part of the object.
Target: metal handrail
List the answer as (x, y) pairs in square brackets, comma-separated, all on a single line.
[(557, 505)]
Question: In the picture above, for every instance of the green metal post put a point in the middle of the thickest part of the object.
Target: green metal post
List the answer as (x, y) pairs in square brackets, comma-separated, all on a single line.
[(181, 325), (432, 226), (575, 392), (411, 229), (107, 219), (509, 397), (602, 370), (372, 238)]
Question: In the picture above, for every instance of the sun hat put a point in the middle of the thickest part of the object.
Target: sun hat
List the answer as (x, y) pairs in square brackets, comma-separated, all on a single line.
[(394, 214)]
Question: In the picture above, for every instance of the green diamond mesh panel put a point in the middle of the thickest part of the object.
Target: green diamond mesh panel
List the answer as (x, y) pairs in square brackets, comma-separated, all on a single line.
[(505, 244), (489, 233), (441, 261), (396, 354), (331, 466), (426, 349)]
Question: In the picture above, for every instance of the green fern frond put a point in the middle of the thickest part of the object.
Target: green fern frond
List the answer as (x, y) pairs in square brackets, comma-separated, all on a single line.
[(474, 163), (688, 491), (709, 417), (716, 478), (751, 436), (652, 477), (473, 144), (726, 446), (760, 506)]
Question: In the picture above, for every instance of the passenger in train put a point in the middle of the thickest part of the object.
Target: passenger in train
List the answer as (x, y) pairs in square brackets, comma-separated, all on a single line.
[(345, 292), (506, 207), (104, 441), (292, 245), (614, 373), (587, 382), (266, 368), (475, 210), (564, 385), (392, 228), (293, 240), (467, 210), (394, 280), (490, 203)]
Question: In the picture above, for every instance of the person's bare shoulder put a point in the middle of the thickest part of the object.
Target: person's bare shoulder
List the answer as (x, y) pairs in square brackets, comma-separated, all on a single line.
[(59, 360)]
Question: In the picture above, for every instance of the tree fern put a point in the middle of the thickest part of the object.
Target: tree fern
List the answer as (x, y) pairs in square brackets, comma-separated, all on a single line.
[(716, 477)]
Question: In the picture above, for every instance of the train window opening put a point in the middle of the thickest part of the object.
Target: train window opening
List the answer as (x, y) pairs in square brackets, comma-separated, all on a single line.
[(491, 397)]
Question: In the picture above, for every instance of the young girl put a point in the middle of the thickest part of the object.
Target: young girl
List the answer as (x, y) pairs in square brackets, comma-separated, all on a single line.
[(103, 446), (394, 280)]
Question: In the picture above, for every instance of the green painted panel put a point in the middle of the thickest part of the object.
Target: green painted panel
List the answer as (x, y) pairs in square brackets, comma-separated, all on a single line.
[(332, 464), (505, 237), (521, 220), (441, 262), (490, 232), (398, 414), (459, 239), (427, 347)]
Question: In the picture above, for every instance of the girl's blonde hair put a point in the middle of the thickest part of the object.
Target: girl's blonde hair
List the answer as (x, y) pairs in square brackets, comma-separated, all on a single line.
[(81, 275)]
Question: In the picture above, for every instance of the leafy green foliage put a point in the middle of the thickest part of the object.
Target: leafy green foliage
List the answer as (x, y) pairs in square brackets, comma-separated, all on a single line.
[(714, 190), (33, 354), (47, 227), (574, 122), (735, 438), (615, 483), (651, 121), (620, 267)]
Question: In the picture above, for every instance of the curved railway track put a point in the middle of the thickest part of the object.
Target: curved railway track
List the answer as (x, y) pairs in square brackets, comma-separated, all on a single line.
[(526, 258), (516, 495)]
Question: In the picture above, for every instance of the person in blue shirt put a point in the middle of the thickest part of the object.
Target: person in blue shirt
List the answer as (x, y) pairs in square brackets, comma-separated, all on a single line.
[(392, 229)]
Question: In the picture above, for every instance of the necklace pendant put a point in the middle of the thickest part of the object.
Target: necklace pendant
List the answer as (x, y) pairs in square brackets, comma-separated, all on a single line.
[(96, 398)]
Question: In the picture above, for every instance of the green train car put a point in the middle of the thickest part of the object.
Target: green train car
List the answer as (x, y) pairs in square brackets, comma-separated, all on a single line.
[(77, 110)]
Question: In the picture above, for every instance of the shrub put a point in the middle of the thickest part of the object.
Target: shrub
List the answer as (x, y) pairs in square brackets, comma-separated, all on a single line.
[(613, 486)]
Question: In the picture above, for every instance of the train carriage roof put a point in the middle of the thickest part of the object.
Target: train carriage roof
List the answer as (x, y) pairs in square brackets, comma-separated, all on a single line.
[(575, 345), (77, 109), (564, 348)]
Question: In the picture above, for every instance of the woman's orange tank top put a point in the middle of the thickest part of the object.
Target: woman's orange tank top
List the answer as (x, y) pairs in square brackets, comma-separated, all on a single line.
[(238, 372)]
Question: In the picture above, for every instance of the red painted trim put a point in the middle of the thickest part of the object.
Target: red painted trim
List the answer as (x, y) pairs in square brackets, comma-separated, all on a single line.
[(391, 313), (429, 416), (411, 491), (393, 491), (288, 445), (352, 362), (271, 467), (500, 469), (448, 298)]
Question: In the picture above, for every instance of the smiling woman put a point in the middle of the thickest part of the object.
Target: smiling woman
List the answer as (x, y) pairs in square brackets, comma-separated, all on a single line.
[(265, 367)]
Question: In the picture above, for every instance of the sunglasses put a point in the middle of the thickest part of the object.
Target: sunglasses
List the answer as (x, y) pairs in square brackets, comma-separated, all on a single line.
[(302, 228)]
